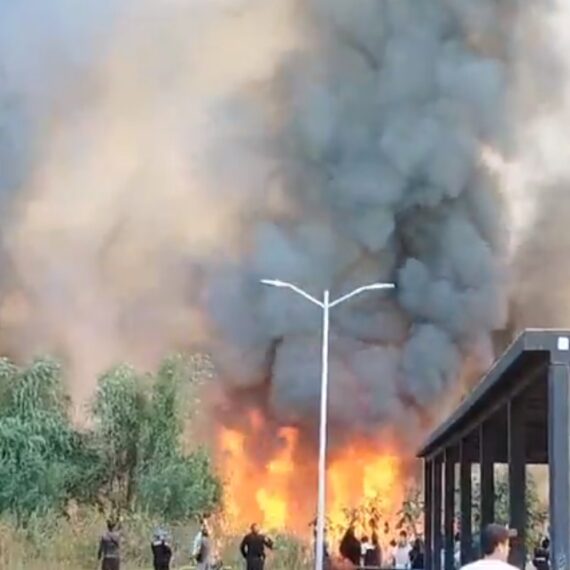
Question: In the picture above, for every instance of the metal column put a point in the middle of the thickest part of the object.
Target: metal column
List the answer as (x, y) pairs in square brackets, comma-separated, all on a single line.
[(436, 520), (559, 463), (428, 512), (449, 508), (465, 484), (486, 460), (517, 479)]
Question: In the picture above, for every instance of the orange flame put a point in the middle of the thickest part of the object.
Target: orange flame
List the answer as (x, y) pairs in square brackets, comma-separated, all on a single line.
[(279, 491), (362, 478)]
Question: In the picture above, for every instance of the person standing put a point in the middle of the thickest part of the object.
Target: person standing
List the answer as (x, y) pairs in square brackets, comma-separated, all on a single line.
[(417, 555), (495, 549), (542, 555), (161, 551), (375, 554), (370, 553), (253, 547), (350, 548), (198, 538), (109, 548), (401, 553), (202, 549)]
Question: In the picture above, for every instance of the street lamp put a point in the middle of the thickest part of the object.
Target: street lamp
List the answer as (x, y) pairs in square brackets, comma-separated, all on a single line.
[(326, 304)]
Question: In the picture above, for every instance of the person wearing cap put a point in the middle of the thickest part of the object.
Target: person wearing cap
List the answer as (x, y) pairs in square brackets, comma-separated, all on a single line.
[(161, 551), (495, 549)]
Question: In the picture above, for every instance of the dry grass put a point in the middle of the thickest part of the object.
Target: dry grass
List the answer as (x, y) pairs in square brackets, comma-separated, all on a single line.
[(56, 543)]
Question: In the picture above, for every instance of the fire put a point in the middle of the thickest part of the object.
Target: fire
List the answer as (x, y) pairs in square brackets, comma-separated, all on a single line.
[(255, 493), (361, 478), (271, 497), (271, 479)]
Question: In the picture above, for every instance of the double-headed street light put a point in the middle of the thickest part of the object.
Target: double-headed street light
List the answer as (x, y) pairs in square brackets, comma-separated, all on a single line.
[(326, 304)]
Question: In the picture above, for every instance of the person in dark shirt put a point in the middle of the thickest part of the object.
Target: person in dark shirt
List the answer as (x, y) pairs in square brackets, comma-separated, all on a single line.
[(109, 546), (374, 556), (417, 555), (161, 552), (253, 547), (541, 556), (350, 548)]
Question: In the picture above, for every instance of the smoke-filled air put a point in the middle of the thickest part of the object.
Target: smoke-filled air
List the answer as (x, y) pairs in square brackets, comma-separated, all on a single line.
[(158, 158)]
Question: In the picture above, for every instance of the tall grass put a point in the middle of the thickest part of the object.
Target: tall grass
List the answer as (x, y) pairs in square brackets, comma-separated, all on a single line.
[(70, 543)]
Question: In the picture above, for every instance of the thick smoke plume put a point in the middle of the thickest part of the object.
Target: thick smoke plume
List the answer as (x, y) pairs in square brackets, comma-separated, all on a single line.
[(159, 158)]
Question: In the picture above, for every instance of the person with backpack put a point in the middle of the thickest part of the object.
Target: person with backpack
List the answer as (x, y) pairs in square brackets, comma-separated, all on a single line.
[(109, 547)]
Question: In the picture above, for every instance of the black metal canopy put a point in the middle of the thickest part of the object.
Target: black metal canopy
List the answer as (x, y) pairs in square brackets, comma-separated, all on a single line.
[(517, 415)]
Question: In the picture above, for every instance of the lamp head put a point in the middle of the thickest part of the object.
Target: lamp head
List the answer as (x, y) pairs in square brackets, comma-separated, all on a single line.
[(381, 286), (273, 282)]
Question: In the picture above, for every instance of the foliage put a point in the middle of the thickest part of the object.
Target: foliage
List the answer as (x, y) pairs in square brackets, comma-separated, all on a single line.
[(140, 433), (43, 461), (171, 484), (411, 513), (69, 543), (180, 487), (537, 512), (120, 413), (135, 444)]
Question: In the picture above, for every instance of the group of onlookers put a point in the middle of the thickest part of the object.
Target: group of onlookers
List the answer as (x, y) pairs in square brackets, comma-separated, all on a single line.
[(494, 550), (252, 549), (109, 553), (364, 552), (368, 551)]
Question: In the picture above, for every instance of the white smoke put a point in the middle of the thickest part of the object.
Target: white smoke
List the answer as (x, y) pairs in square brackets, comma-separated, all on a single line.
[(162, 157)]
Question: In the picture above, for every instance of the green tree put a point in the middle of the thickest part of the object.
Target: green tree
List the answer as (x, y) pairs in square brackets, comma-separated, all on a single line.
[(173, 485), (163, 428), (120, 413), (43, 461), (133, 456), (180, 488), (139, 426)]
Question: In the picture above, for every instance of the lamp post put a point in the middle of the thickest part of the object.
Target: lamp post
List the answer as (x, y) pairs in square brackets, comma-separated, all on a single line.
[(326, 304)]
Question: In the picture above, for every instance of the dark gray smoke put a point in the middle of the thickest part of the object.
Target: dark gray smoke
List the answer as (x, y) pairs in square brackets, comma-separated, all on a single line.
[(162, 157), (376, 134)]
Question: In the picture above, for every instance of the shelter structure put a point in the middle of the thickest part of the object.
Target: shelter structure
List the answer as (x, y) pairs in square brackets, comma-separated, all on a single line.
[(517, 415)]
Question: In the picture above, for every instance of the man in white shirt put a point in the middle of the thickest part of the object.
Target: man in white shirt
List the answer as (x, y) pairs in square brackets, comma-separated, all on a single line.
[(401, 553), (494, 548)]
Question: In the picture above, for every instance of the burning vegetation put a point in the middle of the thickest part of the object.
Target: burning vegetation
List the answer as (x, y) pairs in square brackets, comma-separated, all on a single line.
[(366, 480)]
